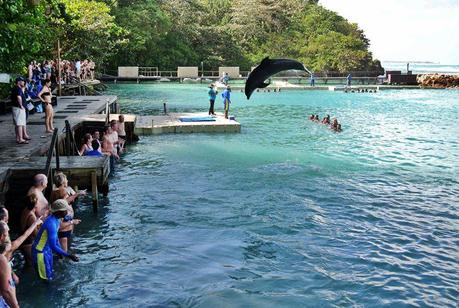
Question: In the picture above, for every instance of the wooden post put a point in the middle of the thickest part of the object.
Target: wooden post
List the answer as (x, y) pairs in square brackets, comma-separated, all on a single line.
[(95, 194), (59, 87)]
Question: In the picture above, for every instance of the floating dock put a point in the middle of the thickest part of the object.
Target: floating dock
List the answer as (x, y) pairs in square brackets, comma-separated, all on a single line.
[(171, 124)]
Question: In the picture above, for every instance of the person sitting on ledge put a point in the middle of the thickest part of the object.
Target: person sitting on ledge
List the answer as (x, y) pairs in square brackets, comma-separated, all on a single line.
[(96, 136), (86, 146), (95, 149), (47, 242)]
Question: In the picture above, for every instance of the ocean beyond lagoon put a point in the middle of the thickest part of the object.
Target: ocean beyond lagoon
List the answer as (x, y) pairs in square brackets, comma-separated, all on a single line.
[(286, 213)]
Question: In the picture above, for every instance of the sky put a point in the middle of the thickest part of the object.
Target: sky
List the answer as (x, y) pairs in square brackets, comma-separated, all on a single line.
[(406, 30)]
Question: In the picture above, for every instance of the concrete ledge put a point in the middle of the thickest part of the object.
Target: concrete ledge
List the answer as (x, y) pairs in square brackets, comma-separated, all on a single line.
[(171, 124)]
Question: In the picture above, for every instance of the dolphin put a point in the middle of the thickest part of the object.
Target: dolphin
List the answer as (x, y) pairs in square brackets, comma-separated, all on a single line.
[(266, 69)]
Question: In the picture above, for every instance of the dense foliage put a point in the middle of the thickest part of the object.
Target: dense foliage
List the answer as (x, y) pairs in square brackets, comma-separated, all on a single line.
[(171, 33)]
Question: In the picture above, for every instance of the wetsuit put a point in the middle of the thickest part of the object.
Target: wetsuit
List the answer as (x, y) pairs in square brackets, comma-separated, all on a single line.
[(43, 246)]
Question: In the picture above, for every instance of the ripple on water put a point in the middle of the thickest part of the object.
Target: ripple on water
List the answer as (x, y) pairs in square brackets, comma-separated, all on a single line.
[(286, 214)]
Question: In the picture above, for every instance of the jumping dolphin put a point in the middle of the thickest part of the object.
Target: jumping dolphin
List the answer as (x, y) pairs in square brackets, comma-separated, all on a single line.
[(266, 69)]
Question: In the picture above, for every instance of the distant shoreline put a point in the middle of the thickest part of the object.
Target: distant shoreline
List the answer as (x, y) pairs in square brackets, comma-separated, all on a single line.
[(414, 62)]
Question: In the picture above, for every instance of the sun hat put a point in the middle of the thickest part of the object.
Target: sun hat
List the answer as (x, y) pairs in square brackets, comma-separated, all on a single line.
[(59, 205)]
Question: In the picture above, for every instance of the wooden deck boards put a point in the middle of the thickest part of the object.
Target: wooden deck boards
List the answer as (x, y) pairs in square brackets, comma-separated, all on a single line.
[(65, 110)]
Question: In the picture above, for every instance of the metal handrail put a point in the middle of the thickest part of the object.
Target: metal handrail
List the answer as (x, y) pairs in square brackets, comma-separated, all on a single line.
[(70, 144), (52, 147)]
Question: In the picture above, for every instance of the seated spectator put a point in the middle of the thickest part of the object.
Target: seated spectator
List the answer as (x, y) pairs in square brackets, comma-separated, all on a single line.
[(95, 149), (113, 135), (107, 144), (96, 136), (86, 146)]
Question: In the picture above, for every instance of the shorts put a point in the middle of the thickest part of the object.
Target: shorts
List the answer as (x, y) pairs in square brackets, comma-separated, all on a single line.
[(19, 116), (62, 234)]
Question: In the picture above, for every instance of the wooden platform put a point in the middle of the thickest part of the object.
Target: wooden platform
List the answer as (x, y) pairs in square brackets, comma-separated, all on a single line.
[(78, 169), (170, 123), (71, 108)]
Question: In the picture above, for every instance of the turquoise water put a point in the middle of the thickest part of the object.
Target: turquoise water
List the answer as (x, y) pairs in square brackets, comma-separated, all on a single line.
[(284, 214)]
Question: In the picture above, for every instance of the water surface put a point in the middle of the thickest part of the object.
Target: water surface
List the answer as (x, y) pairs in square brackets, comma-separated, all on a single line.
[(286, 213)]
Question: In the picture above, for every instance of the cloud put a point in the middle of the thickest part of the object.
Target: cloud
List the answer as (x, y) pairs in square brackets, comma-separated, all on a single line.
[(414, 30)]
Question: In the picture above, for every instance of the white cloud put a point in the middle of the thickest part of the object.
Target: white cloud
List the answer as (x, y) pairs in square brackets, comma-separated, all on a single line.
[(408, 30)]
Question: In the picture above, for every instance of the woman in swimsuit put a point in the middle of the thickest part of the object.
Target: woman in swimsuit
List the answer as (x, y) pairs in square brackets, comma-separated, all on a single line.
[(45, 96), (87, 145), (68, 223)]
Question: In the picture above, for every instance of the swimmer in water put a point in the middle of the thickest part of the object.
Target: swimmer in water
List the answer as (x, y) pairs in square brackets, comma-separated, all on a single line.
[(335, 124), (326, 120)]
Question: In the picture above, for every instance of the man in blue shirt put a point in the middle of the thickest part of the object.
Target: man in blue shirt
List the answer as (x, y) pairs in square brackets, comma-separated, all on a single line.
[(349, 80), (226, 95), (212, 96), (95, 149), (47, 241)]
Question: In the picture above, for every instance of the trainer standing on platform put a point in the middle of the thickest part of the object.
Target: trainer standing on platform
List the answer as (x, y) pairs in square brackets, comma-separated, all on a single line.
[(226, 95), (212, 96)]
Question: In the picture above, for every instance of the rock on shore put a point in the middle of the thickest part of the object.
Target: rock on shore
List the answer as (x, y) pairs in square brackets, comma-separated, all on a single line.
[(438, 81)]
